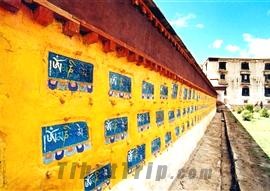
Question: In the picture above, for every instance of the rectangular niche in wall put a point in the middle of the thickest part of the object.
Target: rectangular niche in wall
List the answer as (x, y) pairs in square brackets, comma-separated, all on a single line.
[(120, 85), (147, 90), (168, 138), (115, 129), (155, 146), (63, 140), (99, 178), (65, 73), (143, 121), (135, 157), (163, 92), (174, 90), (171, 116), (160, 117)]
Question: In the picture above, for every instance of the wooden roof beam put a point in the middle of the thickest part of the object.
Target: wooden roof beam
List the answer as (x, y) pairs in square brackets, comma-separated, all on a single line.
[(132, 57), (109, 46), (121, 51), (43, 15), (140, 61), (90, 38), (11, 5), (71, 28)]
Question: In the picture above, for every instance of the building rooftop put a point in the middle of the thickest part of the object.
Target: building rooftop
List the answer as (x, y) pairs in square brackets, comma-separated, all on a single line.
[(234, 58)]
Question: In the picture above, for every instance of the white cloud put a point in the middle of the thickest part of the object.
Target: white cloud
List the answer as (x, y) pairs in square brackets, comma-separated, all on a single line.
[(182, 20), (232, 48), (256, 47), (217, 43), (199, 26)]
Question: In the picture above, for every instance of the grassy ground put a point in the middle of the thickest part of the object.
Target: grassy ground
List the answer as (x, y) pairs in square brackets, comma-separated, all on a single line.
[(259, 129)]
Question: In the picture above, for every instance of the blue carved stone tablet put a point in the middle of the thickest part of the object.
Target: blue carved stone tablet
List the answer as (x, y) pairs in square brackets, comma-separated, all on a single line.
[(177, 131), (163, 92), (183, 127), (98, 179), (185, 93), (115, 129), (178, 113), (160, 118), (147, 90), (184, 111), (143, 121), (155, 146), (189, 94), (168, 138), (171, 116), (188, 124), (135, 157), (64, 140), (174, 91), (120, 85), (66, 73)]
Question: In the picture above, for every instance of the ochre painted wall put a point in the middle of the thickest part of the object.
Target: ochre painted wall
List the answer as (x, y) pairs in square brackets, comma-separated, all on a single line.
[(27, 105)]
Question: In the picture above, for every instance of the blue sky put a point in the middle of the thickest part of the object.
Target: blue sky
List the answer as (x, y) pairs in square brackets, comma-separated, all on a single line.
[(221, 28)]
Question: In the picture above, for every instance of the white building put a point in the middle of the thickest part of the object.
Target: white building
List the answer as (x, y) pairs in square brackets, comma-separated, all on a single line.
[(239, 80)]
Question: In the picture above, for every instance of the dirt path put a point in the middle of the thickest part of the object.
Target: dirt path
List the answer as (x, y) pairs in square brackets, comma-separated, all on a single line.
[(226, 158), (209, 166), (252, 165)]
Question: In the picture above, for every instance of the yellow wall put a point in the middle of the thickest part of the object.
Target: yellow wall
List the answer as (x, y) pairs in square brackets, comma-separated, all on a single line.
[(27, 104)]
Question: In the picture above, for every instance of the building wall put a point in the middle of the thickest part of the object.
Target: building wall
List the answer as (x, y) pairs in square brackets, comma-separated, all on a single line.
[(233, 78), (29, 107)]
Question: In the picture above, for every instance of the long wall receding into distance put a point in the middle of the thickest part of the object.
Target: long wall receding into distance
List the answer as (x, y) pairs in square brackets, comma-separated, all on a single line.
[(128, 23), (83, 100)]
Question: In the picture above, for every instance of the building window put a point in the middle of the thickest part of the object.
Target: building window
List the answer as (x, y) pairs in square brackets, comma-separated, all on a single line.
[(267, 91), (244, 66), (245, 91), (267, 77), (267, 66), (245, 78), (222, 76), (222, 65)]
